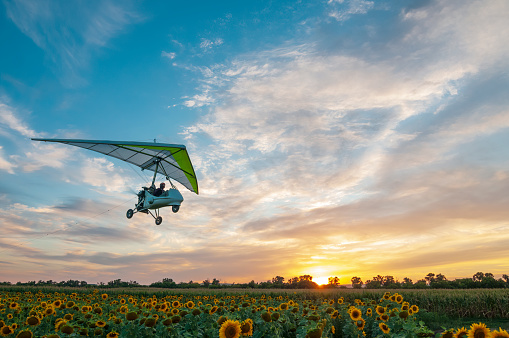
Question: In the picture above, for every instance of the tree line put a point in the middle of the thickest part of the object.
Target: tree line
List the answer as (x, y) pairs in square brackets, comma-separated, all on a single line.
[(434, 281), (431, 280)]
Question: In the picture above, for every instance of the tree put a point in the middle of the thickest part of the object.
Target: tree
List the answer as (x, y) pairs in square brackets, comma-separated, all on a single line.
[(206, 283), (407, 282), (333, 281), (387, 281), (306, 277), (357, 282), (215, 282), (440, 278), (278, 280), (478, 277), (430, 277)]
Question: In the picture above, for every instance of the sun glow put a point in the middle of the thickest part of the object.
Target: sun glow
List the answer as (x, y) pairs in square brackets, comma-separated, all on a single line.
[(321, 280)]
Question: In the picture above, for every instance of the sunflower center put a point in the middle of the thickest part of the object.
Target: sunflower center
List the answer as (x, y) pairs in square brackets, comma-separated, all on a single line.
[(230, 332), (479, 333)]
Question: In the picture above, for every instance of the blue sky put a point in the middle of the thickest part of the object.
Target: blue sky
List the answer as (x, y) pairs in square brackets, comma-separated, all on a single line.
[(331, 138)]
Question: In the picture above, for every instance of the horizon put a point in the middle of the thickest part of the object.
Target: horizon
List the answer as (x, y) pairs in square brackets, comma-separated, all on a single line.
[(330, 138), (200, 281)]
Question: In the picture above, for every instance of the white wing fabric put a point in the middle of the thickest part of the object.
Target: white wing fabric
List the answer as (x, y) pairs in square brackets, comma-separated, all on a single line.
[(173, 159)]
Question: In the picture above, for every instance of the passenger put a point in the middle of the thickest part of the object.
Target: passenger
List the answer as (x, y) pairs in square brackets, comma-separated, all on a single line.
[(159, 191)]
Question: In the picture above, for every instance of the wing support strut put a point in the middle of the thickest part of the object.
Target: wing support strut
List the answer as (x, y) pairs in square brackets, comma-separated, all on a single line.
[(155, 171)]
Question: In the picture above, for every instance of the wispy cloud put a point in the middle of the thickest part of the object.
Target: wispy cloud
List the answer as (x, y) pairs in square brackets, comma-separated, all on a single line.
[(342, 10), (206, 45), (69, 32), (168, 55)]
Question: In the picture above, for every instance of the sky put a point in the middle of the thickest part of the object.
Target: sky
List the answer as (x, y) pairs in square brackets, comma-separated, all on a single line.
[(330, 138)]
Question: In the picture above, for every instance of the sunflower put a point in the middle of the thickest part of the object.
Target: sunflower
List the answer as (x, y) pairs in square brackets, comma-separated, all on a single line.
[(360, 324), (355, 314), (59, 323), (33, 321), (25, 334), (448, 333), (500, 333), (414, 308), (403, 314), (369, 312), (478, 331), (380, 310), (10, 316), (399, 299), (13, 306), (266, 316), (104, 296), (461, 333), (384, 317), (150, 322), (230, 329), (68, 329), (100, 323), (247, 327), (112, 334), (384, 328), (314, 333), (283, 306), (6, 330), (190, 305)]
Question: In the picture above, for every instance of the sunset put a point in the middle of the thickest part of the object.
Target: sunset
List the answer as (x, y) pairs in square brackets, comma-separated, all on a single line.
[(329, 138)]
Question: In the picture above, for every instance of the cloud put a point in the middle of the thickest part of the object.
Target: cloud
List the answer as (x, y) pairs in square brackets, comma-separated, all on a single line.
[(6, 164), (9, 120), (169, 55), (206, 45), (69, 39), (342, 12)]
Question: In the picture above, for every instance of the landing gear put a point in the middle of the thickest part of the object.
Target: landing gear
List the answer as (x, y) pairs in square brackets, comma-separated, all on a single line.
[(159, 220), (129, 213), (175, 208)]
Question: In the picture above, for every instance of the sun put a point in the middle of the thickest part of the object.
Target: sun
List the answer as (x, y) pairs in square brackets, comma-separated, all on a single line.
[(321, 280)]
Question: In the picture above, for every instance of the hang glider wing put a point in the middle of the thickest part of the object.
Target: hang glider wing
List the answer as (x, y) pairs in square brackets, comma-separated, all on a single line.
[(173, 159)]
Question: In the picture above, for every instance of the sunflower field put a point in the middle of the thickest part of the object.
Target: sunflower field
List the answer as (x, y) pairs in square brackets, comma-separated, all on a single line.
[(39, 313)]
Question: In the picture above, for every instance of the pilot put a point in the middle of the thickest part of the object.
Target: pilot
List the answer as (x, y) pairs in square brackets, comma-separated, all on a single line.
[(159, 191)]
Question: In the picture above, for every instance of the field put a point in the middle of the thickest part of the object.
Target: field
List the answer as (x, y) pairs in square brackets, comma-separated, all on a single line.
[(53, 312)]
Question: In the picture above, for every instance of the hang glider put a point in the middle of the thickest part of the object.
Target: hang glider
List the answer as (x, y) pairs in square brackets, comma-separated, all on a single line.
[(170, 160)]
